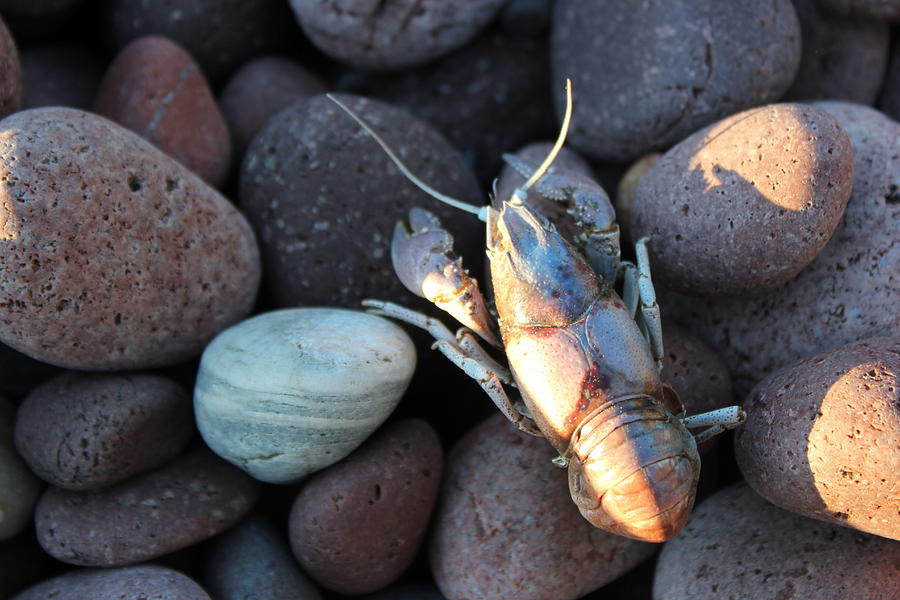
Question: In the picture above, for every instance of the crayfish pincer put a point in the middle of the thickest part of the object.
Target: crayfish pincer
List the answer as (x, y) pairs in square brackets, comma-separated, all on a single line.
[(584, 359)]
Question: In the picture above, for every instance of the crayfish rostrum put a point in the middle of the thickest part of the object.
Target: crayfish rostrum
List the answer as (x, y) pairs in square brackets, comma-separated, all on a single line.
[(584, 359)]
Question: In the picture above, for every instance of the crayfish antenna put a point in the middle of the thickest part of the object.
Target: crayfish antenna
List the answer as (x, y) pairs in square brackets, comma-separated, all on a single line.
[(479, 211), (519, 194)]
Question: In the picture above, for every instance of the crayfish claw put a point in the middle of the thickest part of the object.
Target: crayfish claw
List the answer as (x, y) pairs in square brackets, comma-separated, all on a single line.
[(426, 264)]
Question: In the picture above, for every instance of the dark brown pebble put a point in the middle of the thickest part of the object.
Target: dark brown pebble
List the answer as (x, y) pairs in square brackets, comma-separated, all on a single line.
[(148, 582)]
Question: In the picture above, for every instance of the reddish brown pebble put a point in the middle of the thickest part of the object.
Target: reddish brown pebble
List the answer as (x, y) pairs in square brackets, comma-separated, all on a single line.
[(694, 370), (10, 74), (357, 526), (745, 204), (148, 582), (506, 526), (84, 432), (261, 88), (113, 255), (848, 293), (822, 437), (155, 88), (737, 545), (189, 500)]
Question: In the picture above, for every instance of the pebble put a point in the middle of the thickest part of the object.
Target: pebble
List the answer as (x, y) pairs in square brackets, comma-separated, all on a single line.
[(745, 204), (114, 255), (252, 562), (86, 431), (846, 294), (155, 88), (843, 59), (316, 186), (736, 545), (261, 88), (189, 500), (219, 34), (876, 10), (647, 75), (148, 582), (61, 75), (289, 392), (19, 488), (487, 98), (392, 36), (822, 434), (357, 526), (626, 190), (10, 73), (506, 526)]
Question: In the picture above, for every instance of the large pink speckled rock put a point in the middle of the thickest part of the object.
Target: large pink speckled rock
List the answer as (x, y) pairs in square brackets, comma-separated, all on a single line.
[(113, 255)]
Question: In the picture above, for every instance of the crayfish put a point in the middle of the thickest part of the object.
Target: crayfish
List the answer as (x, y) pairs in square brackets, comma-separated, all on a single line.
[(585, 360)]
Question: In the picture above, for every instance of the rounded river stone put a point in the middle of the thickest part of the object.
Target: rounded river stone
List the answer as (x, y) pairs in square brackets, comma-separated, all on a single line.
[(324, 199), (506, 526), (843, 59), (848, 293), (745, 204), (219, 34), (392, 35), (737, 545), (252, 561), (19, 488), (487, 98), (357, 526), (189, 500), (289, 392), (85, 431), (154, 88), (645, 75), (822, 437), (261, 88), (694, 371), (148, 582), (113, 255), (10, 73)]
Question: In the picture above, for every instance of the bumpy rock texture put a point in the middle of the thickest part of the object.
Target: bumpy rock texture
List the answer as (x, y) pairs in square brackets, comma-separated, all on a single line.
[(849, 292), (737, 545), (253, 562), (358, 525), (743, 205), (506, 526), (187, 501), (155, 88), (324, 199), (821, 437), (84, 432), (647, 74), (150, 582), (289, 392), (396, 34), (114, 256)]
